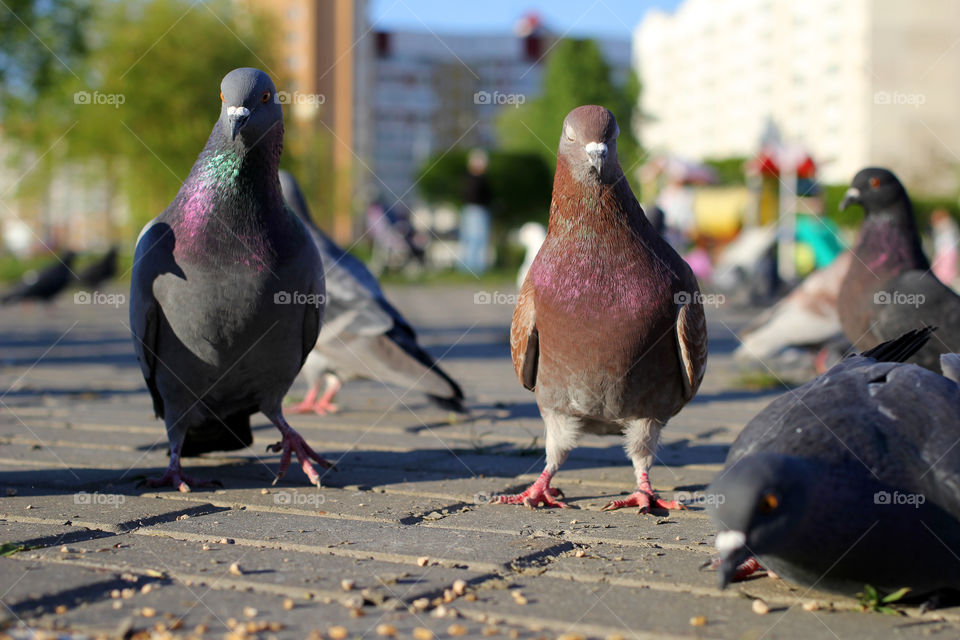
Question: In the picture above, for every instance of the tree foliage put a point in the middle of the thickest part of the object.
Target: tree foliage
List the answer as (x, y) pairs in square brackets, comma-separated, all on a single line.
[(575, 74), (139, 103)]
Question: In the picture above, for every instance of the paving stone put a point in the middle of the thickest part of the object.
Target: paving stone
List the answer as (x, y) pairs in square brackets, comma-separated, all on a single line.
[(403, 517)]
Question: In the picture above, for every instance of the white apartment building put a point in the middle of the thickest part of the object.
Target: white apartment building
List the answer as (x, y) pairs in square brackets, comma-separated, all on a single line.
[(857, 82)]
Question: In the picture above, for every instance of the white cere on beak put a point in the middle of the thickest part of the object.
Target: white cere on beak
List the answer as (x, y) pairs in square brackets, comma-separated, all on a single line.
[(852, 192), (595, 148), (239, 112), (730, 541)]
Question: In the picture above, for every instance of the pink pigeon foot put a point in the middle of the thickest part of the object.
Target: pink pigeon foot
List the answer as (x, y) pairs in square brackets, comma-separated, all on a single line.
[(540, 492), (323, 407), (175, 477), (749, 566), (306, 406), (293, 442), (645, 499)]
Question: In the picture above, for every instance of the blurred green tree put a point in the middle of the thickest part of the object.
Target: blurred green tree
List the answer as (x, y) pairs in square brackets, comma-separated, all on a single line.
[(142, 96), (575, 74)]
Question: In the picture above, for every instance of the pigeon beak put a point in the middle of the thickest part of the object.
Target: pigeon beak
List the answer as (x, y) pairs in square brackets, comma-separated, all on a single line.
[(237, 116), (597, 152), (733, 552), (852, 196)]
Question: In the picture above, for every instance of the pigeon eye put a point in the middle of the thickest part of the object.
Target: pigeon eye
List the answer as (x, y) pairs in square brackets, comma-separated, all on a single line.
[(221, 97), (265, 98), (569, 133), (874, 182), (768, 503)]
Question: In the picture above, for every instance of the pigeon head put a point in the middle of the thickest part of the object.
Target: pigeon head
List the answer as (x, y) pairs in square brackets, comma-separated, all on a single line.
[(250, 110), (875, 189), (756, 505), (588, 143)]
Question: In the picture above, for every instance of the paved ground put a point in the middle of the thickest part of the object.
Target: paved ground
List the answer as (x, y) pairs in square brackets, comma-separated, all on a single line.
[(381, 546)]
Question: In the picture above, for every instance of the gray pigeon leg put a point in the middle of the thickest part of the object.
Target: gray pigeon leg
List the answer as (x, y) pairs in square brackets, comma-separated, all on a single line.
[(643, 436), (562, 435), (293, 442), (174, 475)]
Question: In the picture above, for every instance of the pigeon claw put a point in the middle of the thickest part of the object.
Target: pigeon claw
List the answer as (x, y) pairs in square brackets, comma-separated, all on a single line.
[(534, 497), (292, 443), (647, 502), (178, 479)]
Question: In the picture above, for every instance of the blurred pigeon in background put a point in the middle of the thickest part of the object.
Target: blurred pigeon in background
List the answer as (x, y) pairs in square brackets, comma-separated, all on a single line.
[(227, 291), (363, 336), (609, 330), (100, 270), (807, 317), (851, 479), (43, 284), (531, 236), (889, 288)]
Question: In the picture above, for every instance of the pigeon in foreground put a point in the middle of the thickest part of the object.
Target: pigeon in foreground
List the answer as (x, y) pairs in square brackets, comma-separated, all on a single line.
[(363, 336), (227, 291), (43, 285), (851, 479), (609, 330), (99, 271), (889, 288)]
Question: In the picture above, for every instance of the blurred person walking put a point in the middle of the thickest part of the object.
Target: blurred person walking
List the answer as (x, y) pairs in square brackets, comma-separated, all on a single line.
[(475, 218)]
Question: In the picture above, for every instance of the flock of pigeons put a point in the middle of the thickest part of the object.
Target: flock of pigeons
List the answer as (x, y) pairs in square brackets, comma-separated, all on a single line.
[(46, 284), (851, 479)]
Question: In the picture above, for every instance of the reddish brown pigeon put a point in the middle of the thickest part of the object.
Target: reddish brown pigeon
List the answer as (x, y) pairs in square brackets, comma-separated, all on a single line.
[(609, 329)]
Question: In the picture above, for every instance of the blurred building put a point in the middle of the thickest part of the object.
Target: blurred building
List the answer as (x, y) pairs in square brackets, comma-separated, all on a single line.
[(435, 92), (856, 82), (325, 47)]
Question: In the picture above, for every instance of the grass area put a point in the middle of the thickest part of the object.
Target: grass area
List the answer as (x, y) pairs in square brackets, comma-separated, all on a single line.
[(762, 381)]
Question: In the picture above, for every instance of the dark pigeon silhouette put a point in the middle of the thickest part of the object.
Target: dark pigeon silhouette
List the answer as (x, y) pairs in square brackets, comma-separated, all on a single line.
[(609, 330), (889, 288), (364, 336), (43, 285), (99, 271), (227, 291), (851, 479)]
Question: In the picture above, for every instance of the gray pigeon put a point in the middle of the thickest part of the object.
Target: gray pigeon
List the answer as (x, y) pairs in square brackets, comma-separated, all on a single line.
[(889, 288), (364, 336), (43, 285), (227, 292), (852, 479), (609, 330), (99, 271)]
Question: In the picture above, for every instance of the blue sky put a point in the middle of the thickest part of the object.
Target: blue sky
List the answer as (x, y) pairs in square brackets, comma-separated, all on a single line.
[(594, 18)]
